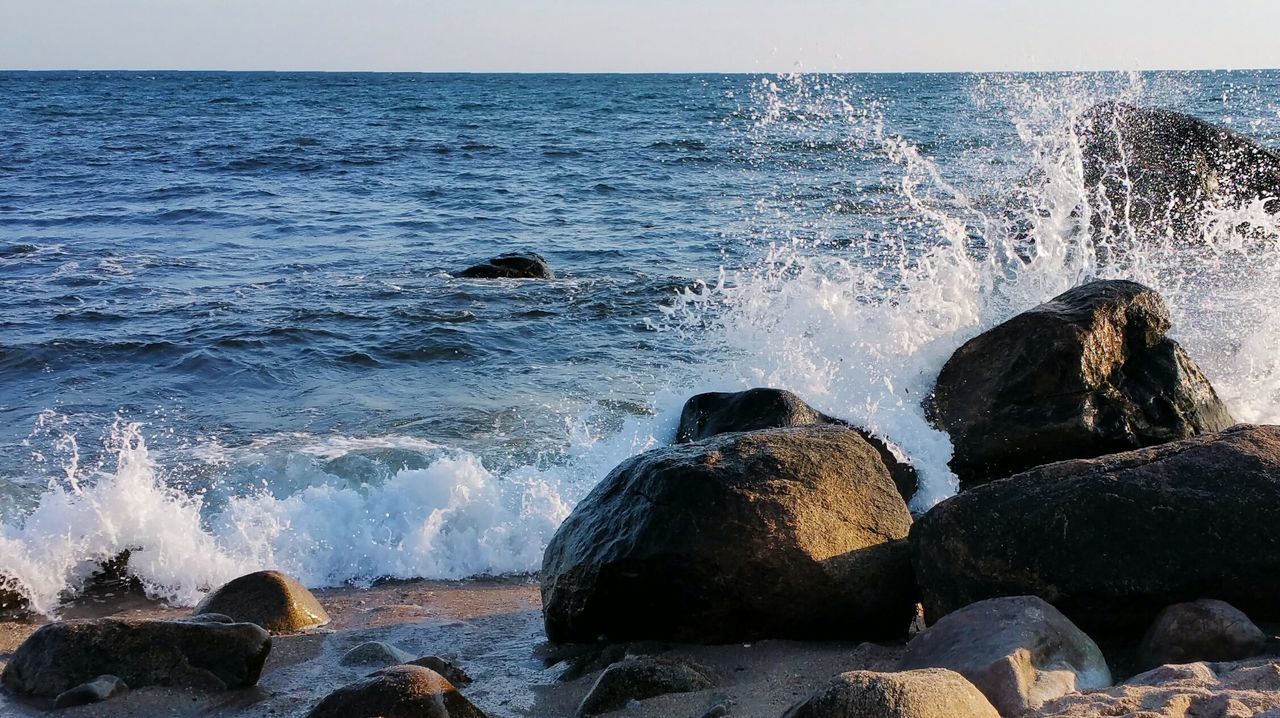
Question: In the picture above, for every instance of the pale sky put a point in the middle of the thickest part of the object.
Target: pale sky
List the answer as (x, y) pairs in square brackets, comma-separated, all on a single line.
[(639, 35)]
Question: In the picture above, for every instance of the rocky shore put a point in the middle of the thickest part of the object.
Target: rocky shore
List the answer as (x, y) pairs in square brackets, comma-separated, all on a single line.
[(1110, 552)]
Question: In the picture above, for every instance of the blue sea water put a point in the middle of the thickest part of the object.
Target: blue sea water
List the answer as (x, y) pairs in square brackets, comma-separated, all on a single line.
[(232, 338)]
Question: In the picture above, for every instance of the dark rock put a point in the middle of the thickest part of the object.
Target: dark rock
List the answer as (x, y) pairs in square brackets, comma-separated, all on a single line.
[(1019, 651), (1153, 170), (785, 533), (11, 600), (927, 693), (397, 692), (1204, 630), (517, 265), (1089, 373), (719, 710), (213, 656), (451, 673), (270, 599), (713, 413), (375, 653), (1111, 541), (636, 679), (96, 691)]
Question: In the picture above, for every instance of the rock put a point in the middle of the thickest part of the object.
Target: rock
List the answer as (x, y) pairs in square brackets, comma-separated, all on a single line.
[(516, 265), (397, 692), (1019, 651), (1153, 170), (1204, 630), (375, 653), (1111, 541), (213, 656), (270, 599), (1195, 690), (926, 693), (713, 413), (783, 533), (95, 691), (1088, 373), (11, 600), (451, 673), (636, 679)]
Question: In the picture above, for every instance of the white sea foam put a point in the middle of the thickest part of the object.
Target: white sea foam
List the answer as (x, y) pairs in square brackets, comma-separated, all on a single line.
[(857, 325)]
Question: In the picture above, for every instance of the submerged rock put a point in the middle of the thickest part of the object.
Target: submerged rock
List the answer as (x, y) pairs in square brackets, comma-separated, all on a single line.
[(270, 599), (1204, 630), (713, 413), (636, 679), (926, 693), (1088, 373), (1153, 170), (787, 533), (516, 265), (1019, 651), (397, 692), (375, 653), (197, 654), (95, 691), (1112, 541)]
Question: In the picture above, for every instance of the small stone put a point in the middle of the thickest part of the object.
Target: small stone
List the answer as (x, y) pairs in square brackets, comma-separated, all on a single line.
[(375, 653), (636, 679), (96, 691)]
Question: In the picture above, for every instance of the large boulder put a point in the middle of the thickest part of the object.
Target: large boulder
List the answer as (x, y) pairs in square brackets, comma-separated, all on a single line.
[(198, 654), (926, 693), (397, 692), (270, 599), (1111, 541), (636, 679), (786, 533), (1193, 690), (1204, 630), (516, 265), (1019, 651), (707, 415), (1153, 170), (1088, 373)]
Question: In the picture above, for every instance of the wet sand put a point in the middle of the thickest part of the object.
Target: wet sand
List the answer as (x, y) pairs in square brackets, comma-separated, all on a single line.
[(490, 628)]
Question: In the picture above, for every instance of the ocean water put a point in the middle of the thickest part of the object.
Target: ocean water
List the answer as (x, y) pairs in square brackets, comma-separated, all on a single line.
[(231, 339)]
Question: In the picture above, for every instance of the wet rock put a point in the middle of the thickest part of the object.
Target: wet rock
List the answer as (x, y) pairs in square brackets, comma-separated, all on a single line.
[(636, 679), (212, 656), (1204, 630), (516, 265), (96, 691), (1019, 651), (397, 692), (375, 653), (11, 600), (1088, 373), (925, 693), (270, 599), (785, 533), (451, 673), (1152, 171), (1112, 541), (713, 413)]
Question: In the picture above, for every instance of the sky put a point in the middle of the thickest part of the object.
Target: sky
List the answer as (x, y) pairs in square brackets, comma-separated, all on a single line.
[(639, 35)]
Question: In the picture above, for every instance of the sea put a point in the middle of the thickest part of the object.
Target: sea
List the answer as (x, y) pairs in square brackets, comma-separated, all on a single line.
[(233, 337)]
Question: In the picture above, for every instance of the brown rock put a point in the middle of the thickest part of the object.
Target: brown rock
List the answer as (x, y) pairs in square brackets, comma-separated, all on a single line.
[(270, 599), (397, 692), (207, 655), (1112, 541), (451, 672), (1204, 630), (925, 693), (1247, 689), (1019, 651), (784, 533), (1088, 373)]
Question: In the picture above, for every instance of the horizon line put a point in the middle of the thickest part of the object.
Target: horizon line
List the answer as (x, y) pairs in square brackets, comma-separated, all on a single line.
[(636, 72)]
